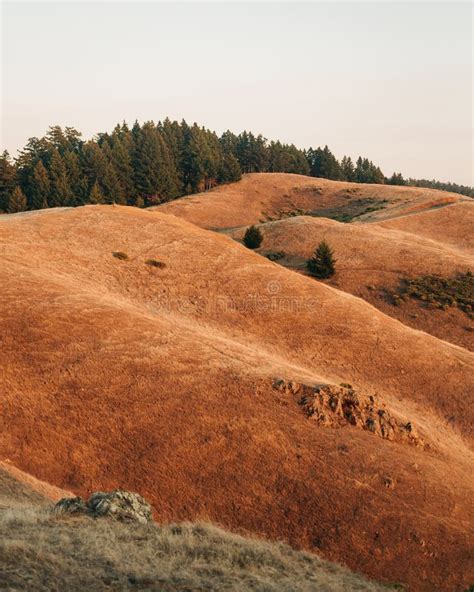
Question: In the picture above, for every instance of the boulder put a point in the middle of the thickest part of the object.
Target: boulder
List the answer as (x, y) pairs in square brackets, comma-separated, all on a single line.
[(120, 505)]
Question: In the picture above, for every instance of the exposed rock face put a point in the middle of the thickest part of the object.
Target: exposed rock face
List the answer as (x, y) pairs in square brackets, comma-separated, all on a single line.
[(119, 505), (337, 406)]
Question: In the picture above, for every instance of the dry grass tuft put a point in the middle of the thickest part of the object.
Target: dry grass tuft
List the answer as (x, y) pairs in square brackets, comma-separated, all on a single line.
[(40, 551), (155, 263), (120, 255)]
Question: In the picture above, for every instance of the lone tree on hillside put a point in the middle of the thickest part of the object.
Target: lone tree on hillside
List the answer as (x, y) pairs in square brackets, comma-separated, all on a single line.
[(322, 263), (253, 237)]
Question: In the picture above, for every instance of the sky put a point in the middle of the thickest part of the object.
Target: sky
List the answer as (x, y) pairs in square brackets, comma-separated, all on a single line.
[(388, 80)]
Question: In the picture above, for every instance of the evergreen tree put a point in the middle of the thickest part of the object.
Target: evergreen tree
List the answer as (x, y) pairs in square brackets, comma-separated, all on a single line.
[(347, 169), (251, 152), (96, 196), (286, 158), (40, 187), (367, 172), (17, 202), (229, 170), (323, 163), (322, 264), (93, 163), (7, 180), (253, 237), (193, 160), (396, 179), (155, 177), (111, 186), (120, 146), (155, 163), (61, 194), (76, 179)]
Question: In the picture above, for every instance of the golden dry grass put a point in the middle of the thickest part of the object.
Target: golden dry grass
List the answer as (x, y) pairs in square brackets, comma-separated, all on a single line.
[(372, 260), (260, 196), (41, 552), (117, 374)]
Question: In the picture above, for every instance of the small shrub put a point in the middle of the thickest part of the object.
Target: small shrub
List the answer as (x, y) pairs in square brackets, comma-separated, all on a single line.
[(322, 264), (155, 263), (253, 237), (120, 255), (275, 256), (439, 292)]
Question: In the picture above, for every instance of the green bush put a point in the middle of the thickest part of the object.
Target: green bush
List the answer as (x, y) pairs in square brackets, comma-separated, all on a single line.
[(253, 237), (322, 264)]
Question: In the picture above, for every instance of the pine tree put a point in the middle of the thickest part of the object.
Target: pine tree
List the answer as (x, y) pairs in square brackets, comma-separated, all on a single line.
[(253, 237), (110, 184), (17, 202), (396, 179), (229, 170), (96, 196), (76, 178), (347, 169), (322, 264), (61, 193), (7, 180), (40, 187), (193, 160), (120, 143)]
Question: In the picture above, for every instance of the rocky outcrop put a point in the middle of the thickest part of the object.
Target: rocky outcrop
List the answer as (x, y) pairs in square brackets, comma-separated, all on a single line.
[(337, 406), (119, 505)]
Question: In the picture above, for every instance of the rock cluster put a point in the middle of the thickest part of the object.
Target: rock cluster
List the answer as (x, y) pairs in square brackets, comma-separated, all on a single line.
[(337, 406), (119, 505)]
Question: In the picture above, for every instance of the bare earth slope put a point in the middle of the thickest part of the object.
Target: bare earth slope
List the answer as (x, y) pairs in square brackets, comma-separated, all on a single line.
[(162, 380), (260, 196), (372, 260)]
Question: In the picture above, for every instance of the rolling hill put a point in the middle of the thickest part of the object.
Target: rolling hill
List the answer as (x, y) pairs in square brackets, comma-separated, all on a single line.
[(373, 260), (141, 351), (397, 233), (261, 197)]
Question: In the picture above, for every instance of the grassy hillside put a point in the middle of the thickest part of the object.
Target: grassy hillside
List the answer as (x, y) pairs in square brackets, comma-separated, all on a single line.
[(40, 552), (262, 197), (163, 380)]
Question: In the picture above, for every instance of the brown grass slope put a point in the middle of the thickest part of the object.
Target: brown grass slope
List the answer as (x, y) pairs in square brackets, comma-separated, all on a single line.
[(19, 489), (159, 380), (372, 260), (452, 226), (43, 552), (260, 196)]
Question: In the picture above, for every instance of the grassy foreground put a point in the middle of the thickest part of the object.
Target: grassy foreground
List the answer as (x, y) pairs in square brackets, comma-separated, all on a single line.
[(42, 552)]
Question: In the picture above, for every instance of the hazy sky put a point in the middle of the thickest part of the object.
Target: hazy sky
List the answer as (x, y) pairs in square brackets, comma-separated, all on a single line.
[(392, 81)]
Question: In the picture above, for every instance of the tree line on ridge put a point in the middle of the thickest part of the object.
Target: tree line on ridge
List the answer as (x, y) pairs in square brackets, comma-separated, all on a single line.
[(153, 163)]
